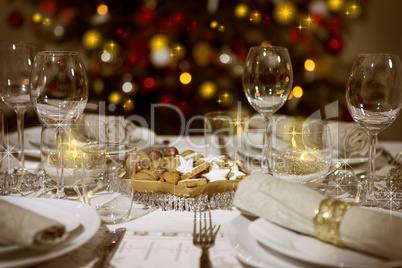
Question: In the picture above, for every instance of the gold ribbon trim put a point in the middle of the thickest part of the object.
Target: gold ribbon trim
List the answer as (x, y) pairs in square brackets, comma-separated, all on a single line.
[(327, 220)]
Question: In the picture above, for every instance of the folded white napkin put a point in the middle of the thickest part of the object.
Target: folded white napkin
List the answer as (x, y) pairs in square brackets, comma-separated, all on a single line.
[(293, 205), (19, 226), (116, 128), (347, 137)]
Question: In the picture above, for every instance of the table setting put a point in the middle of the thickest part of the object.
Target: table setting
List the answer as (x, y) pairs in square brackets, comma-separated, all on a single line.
[(255, 190)]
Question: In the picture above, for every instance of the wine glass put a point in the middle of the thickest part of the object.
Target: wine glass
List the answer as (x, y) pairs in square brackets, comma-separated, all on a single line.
[(374, 100), (59, 93), (267, 82), (14, 91)]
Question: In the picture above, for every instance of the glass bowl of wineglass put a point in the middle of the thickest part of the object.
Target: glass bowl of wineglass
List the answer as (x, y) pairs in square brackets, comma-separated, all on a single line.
[(267, 82), (59, 93), (374, 100)]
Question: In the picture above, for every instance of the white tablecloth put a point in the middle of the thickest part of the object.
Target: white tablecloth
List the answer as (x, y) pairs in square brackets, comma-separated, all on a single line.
[(158, 238)]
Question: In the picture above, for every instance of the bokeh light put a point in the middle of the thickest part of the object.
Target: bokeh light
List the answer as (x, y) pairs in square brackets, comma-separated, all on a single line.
[(297, 92), (214, 24), (102, 9), (335, 5), (241, 11), (127, 87), (207, 89), (37, 17), (309, 65), (149, 82), (185, 78), (91, 39), (115, 98)]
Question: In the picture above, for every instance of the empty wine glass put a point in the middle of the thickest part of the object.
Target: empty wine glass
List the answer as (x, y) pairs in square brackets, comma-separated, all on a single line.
[(374, 100), (267, 82), (17, 60), (59, 93)]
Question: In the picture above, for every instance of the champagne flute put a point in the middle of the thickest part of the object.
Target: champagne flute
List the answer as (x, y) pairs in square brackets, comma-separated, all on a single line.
[(374, 100), (17, 65), (267, 82), (59, 93)]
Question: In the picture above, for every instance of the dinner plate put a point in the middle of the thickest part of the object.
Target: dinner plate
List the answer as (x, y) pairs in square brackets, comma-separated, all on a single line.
[(312, 250), (44, 209), (251, 252), (142, 139), (89, 223)]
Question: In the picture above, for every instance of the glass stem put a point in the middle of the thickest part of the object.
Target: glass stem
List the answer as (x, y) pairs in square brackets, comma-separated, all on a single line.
[(20, 128), (60, 169), (371, 165), (264, 159)]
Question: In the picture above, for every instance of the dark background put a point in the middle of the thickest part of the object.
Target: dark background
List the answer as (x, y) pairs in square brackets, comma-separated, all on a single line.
[(134, 25)]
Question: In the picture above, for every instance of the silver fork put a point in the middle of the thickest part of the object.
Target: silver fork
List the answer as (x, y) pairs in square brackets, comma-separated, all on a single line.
[(397, 160), (204, 235)]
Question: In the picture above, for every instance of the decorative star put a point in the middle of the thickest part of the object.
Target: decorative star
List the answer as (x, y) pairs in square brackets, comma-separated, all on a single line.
[(185, 165), (216, 173), (235, 173)]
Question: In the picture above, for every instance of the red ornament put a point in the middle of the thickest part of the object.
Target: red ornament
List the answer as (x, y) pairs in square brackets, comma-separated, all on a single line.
[(16, 19), (49, 7), (294, 34), (334, 45)]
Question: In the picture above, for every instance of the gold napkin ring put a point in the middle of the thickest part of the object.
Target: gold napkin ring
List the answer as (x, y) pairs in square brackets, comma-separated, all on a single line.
[(327, 220)]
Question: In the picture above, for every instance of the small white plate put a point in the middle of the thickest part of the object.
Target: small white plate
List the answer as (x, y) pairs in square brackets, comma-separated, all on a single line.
[(143, 139), (312, 250), (88, 220)]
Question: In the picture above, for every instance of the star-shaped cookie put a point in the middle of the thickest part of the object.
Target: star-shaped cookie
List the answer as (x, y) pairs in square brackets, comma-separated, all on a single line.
[(216, 173), (235, 173)]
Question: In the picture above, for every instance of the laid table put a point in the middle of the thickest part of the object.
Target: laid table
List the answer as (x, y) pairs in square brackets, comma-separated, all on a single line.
[(157, 238)]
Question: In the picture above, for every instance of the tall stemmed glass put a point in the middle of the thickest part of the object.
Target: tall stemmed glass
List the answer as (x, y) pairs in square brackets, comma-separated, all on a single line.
[(17, 60), (374, 100), (59, 93), (267, 82)]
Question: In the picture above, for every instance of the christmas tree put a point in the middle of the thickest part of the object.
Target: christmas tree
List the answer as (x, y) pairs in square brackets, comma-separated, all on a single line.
[(190, 54)]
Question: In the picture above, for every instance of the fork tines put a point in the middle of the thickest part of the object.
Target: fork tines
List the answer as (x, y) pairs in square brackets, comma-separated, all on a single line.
[(204, 232)]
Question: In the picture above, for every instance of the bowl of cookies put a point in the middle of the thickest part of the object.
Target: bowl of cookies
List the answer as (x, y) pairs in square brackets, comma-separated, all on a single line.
[(183, 175)]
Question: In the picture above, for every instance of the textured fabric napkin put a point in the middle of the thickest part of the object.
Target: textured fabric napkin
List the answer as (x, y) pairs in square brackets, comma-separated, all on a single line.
[(115, 128), (19, 226), (293, 205), (347, 137)]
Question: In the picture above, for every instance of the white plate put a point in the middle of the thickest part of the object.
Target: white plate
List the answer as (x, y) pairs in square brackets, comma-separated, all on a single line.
[(87, 218), (44, 209), (249, 251), (312, 250), (143, 139)]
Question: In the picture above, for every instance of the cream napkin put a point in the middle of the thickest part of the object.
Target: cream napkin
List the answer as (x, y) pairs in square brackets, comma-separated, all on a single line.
[(347, 137), (19, 226), (292, 206), (116, 128)]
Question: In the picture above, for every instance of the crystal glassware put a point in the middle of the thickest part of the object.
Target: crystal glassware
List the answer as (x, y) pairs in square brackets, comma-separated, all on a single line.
[(374, 100), (59, 93), (267, 82), (17, 58)]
